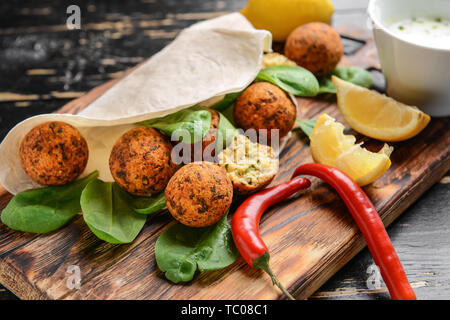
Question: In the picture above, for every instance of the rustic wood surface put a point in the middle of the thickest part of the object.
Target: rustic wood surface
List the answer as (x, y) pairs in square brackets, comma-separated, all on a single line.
[(312, 236)]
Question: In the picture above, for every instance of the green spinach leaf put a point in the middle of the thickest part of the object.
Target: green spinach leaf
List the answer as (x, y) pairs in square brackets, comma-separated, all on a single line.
[(109, 212), (352, 74), (227, 131), (326, 85), (181, 250), (194, 120), (229, 99), (229, 114), (293, 79), (149, 205), (45, 209), (307, 126)]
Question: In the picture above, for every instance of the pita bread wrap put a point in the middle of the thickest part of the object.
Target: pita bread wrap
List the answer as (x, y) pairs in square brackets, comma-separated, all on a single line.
[(204, 62)]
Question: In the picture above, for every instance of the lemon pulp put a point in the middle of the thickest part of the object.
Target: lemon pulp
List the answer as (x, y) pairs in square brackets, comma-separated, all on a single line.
[(329, 145)]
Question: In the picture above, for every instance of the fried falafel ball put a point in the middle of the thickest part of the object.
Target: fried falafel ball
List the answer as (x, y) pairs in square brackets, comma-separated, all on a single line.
[(315, 46), (250, 166), (140, 161), (199, 194), (53, 153), (265, 106), (197, 148)]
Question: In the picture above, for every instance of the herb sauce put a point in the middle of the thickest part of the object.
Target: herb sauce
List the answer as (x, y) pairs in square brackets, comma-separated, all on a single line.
[(433, 32)]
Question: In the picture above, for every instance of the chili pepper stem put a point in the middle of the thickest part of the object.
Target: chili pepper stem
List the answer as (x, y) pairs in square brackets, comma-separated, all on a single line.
[(263, 263)]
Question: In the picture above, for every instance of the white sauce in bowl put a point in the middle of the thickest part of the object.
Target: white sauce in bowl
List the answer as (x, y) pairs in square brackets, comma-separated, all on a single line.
[(433, 32)]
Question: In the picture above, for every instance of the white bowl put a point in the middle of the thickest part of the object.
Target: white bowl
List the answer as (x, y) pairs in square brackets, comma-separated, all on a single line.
[(416, 74)]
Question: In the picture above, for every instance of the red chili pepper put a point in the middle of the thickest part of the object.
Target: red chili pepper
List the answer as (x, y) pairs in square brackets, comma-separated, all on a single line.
[(370, 224), (245, 224)]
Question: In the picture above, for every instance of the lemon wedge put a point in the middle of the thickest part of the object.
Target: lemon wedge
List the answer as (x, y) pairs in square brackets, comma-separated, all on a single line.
[(376, 115), (280, 17), (329, 145)]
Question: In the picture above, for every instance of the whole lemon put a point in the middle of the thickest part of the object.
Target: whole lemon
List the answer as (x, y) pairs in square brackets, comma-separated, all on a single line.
[(280, 17)]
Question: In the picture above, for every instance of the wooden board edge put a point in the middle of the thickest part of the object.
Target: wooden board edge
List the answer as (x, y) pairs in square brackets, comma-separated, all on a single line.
[(18, 284), (351, 249), (80, 103)]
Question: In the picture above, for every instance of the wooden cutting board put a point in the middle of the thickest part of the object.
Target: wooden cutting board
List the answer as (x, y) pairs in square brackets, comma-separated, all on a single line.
[(310, 237)]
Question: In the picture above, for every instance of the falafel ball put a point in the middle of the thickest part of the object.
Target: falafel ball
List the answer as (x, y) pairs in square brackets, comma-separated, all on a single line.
[(265, 106), (250, 166), (140, 161), (53, 153), (199, 194), (315, 46)]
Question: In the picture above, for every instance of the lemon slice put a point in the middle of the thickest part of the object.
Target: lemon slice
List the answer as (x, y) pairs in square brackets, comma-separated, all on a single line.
[(376, 115), (329, 145)]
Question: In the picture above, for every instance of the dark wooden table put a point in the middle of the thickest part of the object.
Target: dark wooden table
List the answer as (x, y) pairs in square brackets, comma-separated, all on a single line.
[(43, 65)]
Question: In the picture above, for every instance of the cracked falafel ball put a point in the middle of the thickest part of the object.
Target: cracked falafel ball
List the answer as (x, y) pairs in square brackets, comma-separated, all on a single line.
[(250, 166), (315, 46), (53, 153), (140, 161), (199, 194), (265, 106)]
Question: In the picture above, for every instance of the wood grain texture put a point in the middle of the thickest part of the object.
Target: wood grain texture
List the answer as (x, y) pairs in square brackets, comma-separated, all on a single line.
[(310, 237)]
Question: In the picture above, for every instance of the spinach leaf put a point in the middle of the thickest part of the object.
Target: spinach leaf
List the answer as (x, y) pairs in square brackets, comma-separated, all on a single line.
[(229, 99), (307, 126), (352, 74), (326, 85), (180, 250), (45, 209), (195, 121), (149, 205), (293, 79), (229, 114), (227, 131), (109, 212)]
